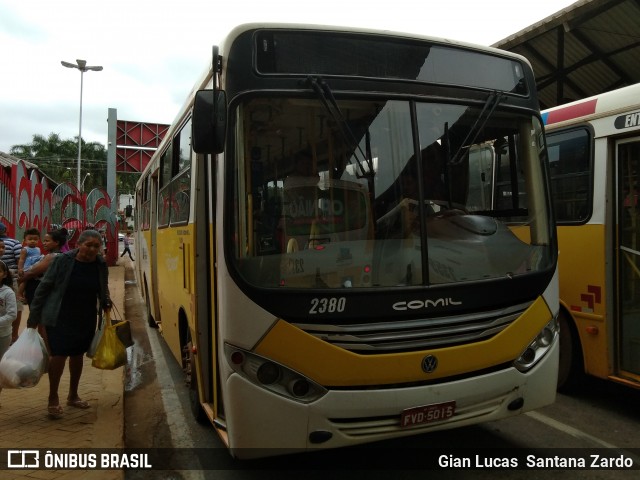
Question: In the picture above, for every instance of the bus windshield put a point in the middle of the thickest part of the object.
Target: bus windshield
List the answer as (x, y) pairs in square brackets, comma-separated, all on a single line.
[(386, 193)]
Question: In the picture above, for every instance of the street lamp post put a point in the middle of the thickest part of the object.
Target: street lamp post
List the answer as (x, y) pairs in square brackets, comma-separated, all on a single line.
[(83, 67), (88, 174), (83, 197)]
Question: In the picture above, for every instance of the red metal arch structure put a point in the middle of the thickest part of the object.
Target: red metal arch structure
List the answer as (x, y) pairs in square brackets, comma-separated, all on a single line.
[(25, 196), (29, 199)]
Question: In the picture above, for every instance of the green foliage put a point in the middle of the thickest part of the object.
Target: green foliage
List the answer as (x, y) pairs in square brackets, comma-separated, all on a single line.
[(58, 160)]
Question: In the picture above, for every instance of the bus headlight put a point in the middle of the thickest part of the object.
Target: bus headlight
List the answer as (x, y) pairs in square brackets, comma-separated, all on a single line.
[(272, 376), (268, 373), (539, 347)]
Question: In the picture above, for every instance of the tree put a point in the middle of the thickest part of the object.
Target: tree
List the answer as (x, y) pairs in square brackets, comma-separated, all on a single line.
[(42, 147), (58, 159)]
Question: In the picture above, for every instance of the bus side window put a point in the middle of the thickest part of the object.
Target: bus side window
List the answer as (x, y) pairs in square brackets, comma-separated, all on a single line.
[(164, 199), (570, 160)]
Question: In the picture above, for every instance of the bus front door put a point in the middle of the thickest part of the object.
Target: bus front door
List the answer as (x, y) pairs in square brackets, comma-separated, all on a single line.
[(628, 162)]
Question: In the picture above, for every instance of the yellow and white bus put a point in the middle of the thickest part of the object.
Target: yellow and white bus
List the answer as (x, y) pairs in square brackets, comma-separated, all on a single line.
[(319, 288), (594, 153)]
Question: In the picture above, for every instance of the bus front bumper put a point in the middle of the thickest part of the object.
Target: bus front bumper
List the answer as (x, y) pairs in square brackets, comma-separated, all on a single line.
[(261, 423)]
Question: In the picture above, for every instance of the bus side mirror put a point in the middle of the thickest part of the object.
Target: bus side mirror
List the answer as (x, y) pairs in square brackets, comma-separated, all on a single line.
[(209, 121)]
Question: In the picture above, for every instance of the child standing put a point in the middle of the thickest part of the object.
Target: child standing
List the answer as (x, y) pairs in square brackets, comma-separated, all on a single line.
[(29, 256)]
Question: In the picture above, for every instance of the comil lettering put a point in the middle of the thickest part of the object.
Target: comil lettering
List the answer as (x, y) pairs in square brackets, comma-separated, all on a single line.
[(420, 304)]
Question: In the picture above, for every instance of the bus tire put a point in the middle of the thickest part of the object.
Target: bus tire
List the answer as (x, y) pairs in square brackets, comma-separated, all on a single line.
[(571, 367)]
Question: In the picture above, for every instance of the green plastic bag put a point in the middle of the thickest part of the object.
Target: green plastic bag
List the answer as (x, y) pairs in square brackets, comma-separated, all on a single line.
[(111, 352)]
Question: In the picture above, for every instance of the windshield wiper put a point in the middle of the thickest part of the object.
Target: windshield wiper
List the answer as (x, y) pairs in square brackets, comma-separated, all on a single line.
[(493, 100), (325, 94)]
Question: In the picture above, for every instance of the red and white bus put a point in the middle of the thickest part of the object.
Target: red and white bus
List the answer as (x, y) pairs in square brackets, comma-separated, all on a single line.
[(594, 154)]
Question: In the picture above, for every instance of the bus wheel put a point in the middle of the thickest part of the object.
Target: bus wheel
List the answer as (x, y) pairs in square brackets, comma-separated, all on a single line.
[(194, 398), (571, 369)]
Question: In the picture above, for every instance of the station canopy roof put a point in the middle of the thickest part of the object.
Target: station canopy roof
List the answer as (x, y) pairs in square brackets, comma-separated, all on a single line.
[(588, 48)]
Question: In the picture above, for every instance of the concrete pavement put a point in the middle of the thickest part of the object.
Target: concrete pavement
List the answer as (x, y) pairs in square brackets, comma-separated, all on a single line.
[(24, 423)]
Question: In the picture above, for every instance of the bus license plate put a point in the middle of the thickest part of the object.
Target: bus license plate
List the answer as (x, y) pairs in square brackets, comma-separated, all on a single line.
[(427, 413)]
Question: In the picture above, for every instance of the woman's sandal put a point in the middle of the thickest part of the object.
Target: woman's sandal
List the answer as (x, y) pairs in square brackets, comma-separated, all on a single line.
[(77, 403), (55, 411)]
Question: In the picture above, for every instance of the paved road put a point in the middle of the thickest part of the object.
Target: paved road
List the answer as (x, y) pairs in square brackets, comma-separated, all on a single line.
[(602, 416)]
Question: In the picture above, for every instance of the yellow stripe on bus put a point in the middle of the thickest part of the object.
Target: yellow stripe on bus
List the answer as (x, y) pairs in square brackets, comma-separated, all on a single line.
[(333, 366)]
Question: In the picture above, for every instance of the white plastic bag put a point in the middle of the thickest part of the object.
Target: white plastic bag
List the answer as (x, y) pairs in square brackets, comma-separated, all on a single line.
[(25, 361), (96, 338)]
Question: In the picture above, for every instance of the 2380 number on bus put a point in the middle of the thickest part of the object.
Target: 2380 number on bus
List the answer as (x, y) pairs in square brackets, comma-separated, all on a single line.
[(327, 305)]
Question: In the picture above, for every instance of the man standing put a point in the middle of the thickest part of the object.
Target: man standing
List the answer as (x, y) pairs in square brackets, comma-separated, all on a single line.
[(127, 245), (12, 249)]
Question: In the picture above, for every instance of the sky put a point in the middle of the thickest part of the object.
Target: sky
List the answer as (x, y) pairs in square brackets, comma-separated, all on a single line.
[(154, 51)]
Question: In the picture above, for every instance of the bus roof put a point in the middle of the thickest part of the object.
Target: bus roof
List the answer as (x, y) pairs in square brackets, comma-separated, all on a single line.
[(206, 77), (239, 29), (609, 103)]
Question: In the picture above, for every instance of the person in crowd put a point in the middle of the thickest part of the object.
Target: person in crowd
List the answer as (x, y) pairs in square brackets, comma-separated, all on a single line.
[(11, 256), (103, 234), (8, 305), (65, 303), (65, 246), (29, 256), (127, 245), (52, 244)]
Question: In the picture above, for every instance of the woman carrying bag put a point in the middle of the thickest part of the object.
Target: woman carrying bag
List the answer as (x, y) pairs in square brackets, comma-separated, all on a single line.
[(65, 303)]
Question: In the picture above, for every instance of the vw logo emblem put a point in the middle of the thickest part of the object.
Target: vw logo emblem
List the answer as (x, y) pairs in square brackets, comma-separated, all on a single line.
[(429, 363)]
